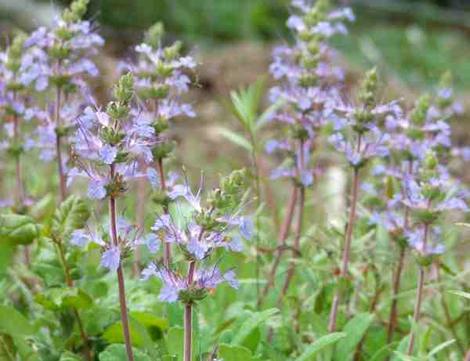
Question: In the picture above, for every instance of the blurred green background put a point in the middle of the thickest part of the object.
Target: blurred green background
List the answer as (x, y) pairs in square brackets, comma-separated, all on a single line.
[(415, 41)]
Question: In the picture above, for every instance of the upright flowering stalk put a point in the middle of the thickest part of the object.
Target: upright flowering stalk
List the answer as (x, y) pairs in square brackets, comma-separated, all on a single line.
[(360, 139), (160, 81), (108, 149), (211, 225), (309, 85), (14, 112), (58, 61), (428, 196), (411, 137)]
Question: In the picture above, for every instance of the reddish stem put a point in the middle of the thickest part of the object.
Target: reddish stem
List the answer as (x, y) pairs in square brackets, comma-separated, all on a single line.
[(283, 233), (419, 293), (346, 250), (60, 165), (298, 229), (167, 246), (296, 245), (140, 219), (120, 276), (392, 322), (188, 316), (188, 331)]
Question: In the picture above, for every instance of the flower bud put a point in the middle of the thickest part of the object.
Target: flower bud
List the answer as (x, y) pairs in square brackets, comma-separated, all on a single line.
[(124, 89), (76, 11), (154, 34), (192, 295), (368, 90)]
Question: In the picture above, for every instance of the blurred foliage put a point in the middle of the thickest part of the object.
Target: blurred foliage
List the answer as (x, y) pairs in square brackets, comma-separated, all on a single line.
[(215, 19), (236, 19), (417, 55), (414, 46)]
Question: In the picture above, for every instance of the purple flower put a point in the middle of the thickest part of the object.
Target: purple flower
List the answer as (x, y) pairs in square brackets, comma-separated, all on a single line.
[(153, 178), (97, 189), (246, 228), (111, 258), (79, 238), (204, 279), (433, 245), (184, 190), (108, 154), (152, 242)]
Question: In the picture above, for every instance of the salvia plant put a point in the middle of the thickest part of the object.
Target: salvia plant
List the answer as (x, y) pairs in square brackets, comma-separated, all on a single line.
[(162, 76), (222, 268), (57, 62)]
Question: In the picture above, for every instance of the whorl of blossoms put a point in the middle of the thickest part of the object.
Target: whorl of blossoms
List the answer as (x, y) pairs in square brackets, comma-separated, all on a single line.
[(213, 224), (60, 56), (357, 132), (130, 238), (59, 59), (108, 148), (412, 136), (14, 110), (429, 194), (161, 78), (426, 126), (109, 138), (309, 83)]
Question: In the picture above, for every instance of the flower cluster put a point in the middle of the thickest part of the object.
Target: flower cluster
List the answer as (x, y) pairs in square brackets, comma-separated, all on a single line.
[(130, 237), (15, 110), (60, 56), (208, 226), (109, 140), (413, 140), (59, 59), (309, 84), (161, 78), (357, 132)]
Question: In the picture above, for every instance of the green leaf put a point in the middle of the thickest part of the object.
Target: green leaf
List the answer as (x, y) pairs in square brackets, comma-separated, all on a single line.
[(235, 138), (251, 324), (403, 357), (246, 103), (175, 342), (76, 298), (69, 356), (154, 325), (7, 252), (461, 294), (72, 214), (118, 353), (355, 329), (401, 349), (18, 229), (234, 353), (139, 334), (14, 323), (320, 344), (64, 297), (440, 347), (24, 349)]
